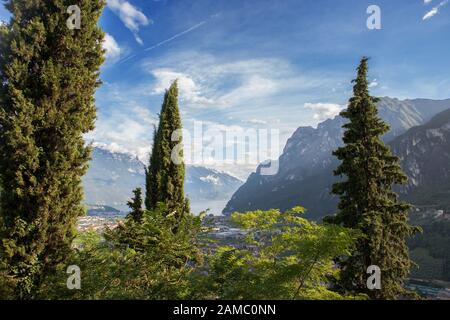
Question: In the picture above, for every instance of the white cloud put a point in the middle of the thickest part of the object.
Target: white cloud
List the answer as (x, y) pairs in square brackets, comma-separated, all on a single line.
[(130, 135), (234, 95), (430, 14), (189, 90), (252, 77), (427, 1), (207, 81), (112, 147), (373, 83), (211, 179), (132, 17), (256, 121), (252, 87), (145, 115), (323, 111), (125, 129), (113, 50)]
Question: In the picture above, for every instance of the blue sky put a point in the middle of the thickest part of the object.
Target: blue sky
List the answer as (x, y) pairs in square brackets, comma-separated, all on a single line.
[(261, 63)]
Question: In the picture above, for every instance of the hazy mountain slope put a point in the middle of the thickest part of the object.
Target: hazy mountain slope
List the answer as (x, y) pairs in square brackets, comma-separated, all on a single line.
[(112, 176), (208, 184), (306, 167), (306, 164), (425, 154)]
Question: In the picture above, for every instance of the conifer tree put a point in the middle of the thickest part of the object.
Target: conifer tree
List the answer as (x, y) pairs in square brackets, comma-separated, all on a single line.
[(136, 205), (165, 177), (48, 76), (367, 200)]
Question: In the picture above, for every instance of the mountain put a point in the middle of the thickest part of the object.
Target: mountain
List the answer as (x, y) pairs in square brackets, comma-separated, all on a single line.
[(405, 114), (206, 184), (112, 176), (306, 165), (102, 211), (425, 155), (305, 170)]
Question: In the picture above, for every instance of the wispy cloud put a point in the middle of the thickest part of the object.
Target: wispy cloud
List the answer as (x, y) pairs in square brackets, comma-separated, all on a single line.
[(198, 25), (113, 50), (255, 121), (190, 91), (435, 10), (208, 81), (176, 36), (131, 16), (224, 93), (374, 83), (123, 123), (201, 77)]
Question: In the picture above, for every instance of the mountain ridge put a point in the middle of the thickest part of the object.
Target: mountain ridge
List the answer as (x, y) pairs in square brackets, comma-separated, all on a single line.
[(113, 175), (306, 164), (425, 155)]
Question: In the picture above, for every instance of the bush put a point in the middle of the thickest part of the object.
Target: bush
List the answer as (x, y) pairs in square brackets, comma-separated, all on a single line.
[(145, 260), (285, 257)]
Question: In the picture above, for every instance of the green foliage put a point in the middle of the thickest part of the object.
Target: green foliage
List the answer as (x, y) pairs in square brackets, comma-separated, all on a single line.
[(428, 266), (367, 201), (136, 260), (48, 76), (165, 177), (6, 282), (431, 249), (136, 205), (285, 257)]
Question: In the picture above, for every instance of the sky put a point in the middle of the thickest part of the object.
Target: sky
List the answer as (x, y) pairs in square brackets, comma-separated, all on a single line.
[(260, 64)]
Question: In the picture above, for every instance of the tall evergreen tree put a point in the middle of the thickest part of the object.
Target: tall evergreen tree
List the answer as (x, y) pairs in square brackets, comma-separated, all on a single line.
[(135, 205), (48, 77), (165, 177), (367, 200)]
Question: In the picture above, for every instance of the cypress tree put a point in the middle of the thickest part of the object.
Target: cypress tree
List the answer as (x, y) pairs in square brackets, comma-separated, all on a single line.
[(48, 77), (136, 205), (164, 177), (367, 200)]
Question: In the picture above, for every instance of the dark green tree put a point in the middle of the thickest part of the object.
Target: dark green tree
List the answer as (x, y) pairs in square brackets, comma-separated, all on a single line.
[(48, 76), (136, 205), (367, 200), (165, 173)]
